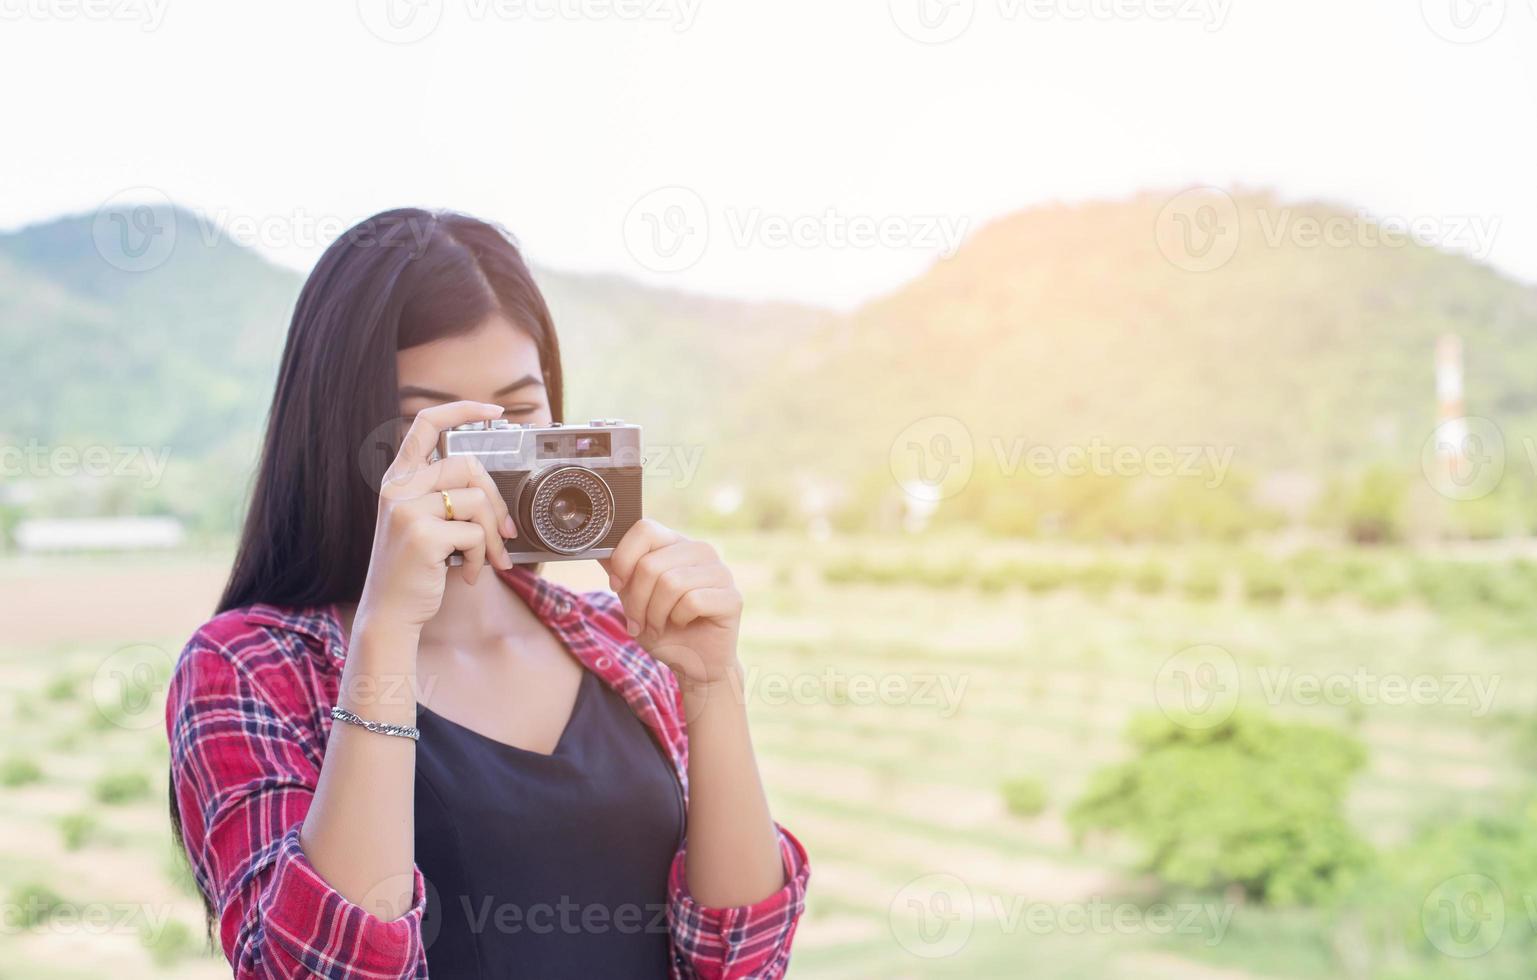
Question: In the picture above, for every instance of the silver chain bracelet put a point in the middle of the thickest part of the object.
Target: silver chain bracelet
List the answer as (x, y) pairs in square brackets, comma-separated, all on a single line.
[(339, 713)]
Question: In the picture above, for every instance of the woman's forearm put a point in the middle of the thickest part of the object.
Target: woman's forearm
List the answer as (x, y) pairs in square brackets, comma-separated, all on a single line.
[(733, 849), (359, 833)]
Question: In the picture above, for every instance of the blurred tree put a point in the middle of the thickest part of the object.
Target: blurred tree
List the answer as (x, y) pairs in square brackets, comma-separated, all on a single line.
[(1369, 508), (1251, 802)]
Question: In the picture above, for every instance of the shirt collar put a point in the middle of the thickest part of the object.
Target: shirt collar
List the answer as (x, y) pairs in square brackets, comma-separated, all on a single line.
[(555, 605), (321, 623)]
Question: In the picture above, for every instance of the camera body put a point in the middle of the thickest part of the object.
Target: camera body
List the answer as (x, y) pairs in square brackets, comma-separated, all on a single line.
[(572, 490)]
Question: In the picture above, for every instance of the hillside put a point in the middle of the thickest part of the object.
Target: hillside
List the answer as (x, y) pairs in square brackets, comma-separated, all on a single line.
[(1057, 325), (1062, 325), (183, 354)]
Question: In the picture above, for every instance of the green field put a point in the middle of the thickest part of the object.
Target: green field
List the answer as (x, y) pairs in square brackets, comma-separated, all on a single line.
[(895, 690)]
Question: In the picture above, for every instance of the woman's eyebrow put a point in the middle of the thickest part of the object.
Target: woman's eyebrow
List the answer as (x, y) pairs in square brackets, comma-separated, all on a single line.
[(523, 382), (416, 391)]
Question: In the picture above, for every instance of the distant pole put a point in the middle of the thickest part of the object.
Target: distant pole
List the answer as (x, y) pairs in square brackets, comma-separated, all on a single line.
[(1453, 429)]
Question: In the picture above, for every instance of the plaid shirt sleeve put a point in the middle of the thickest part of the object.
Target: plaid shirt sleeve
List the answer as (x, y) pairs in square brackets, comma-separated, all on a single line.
[(748, 941), (246, 747)]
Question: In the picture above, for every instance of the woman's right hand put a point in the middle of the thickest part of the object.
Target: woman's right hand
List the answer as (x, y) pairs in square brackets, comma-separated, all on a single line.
[(413, 537)]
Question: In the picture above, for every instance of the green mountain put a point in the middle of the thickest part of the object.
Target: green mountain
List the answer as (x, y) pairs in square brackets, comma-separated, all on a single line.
[(1065, 325), (178, 348), (1059, 325), (180, 356)]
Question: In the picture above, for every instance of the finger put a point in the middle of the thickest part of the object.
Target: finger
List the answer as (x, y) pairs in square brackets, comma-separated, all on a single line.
[(718, 604), (466, 538), (470, 505), (613, 578), (674, 584), (635, 592), (644, 536), (421, 439), (469, 471), (407, 480)]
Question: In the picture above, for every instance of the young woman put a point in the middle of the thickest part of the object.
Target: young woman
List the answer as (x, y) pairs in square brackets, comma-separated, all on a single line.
[(381, 764)]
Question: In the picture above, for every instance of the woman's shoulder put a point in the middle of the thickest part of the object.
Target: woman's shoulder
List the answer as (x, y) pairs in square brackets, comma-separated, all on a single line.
[(279, 654)]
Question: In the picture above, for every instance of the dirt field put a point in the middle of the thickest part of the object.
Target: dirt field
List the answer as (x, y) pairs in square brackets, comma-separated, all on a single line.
[(886, 718)]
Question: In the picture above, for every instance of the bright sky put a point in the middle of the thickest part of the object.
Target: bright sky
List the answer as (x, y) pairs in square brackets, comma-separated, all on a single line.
[(818, 150)]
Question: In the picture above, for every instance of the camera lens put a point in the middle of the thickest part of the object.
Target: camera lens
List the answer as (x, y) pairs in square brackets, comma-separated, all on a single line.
[(569, 509)]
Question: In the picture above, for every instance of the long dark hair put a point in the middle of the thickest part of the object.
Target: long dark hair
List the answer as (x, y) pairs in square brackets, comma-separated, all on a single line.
[(397, 280)]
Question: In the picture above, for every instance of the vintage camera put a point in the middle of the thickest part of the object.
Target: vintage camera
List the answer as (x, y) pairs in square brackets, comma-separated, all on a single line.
[(573, 490)]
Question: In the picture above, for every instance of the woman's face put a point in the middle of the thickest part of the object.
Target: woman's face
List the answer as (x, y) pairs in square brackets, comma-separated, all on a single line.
[(496, 363)]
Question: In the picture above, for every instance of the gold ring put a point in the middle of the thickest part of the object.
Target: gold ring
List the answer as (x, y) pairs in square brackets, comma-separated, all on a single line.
[(448, 506)]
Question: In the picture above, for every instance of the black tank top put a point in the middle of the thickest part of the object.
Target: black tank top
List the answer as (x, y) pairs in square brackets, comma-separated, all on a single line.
[(547, 865)]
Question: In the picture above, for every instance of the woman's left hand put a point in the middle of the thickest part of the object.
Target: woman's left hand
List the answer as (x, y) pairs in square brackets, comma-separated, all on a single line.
[(680, 601)]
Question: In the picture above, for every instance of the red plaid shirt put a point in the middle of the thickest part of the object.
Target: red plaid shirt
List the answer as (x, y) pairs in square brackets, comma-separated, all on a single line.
[(248, 714)]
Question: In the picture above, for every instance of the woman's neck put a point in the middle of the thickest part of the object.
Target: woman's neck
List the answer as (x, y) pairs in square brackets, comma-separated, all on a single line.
[(469, 614), (472, 614)]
